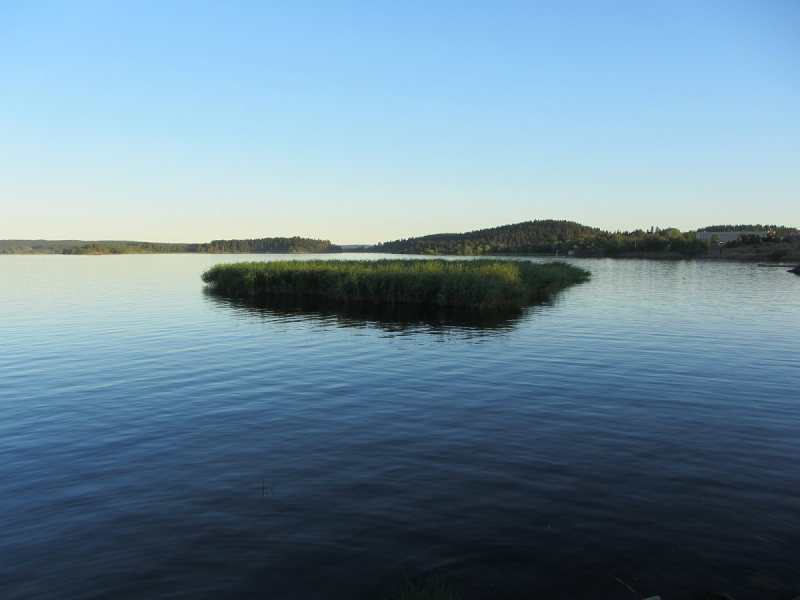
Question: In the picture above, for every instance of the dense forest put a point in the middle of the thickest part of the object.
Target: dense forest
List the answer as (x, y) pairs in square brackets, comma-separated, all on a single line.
[(657, 240), (293, 245), (781, 231), (548, 237), (126, 248), (568, 237), (531, 237)]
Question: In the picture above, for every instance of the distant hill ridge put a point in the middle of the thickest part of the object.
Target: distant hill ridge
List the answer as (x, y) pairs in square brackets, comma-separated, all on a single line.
[(547, 236), (528, 237), (567, 237)]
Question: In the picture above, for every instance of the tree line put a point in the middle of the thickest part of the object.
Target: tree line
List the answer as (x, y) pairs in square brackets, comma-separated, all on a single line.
[(657, 240), (531, 237), (548, 237), (780, 230), (279, 245), (553, 237)]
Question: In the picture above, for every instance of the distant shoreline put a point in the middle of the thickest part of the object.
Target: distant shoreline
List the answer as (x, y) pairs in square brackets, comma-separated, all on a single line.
[(546, 238), (789, 258)]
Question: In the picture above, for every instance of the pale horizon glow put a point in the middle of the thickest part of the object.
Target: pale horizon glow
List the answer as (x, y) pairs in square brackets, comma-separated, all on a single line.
[(365, 122)]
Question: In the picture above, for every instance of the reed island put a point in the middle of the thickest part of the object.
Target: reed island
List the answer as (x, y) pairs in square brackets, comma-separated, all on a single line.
[(462, 284)]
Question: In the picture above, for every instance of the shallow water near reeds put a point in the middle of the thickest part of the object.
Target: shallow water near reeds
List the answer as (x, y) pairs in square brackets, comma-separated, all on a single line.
[(157, 440)]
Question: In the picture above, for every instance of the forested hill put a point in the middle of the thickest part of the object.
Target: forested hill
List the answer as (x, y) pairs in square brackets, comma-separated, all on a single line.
[(520, 238), (292, 245)]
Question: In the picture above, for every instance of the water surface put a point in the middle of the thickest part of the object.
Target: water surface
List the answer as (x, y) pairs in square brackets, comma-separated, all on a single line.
[(158, 440)]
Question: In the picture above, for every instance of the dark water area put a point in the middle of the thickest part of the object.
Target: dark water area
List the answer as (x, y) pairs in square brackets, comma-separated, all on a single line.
[(157, 440)]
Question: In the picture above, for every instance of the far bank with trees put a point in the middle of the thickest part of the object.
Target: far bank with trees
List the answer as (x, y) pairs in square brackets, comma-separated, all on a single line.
[(567, 238)]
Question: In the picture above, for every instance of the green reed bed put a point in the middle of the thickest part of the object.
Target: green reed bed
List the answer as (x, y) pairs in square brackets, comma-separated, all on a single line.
[(481, 284)]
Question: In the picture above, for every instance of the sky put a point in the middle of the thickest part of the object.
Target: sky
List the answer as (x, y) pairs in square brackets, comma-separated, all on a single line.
[(361, 122)]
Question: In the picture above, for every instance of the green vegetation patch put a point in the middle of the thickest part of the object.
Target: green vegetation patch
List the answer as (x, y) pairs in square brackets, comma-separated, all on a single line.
[(473, 284)]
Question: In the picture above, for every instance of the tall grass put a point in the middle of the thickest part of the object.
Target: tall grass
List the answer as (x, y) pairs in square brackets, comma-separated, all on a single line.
[(481, 284)]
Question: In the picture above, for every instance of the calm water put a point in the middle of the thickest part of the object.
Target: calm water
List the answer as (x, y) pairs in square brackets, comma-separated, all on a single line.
[(159, 441)]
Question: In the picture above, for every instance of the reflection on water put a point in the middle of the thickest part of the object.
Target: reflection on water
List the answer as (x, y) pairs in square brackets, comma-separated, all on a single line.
[(397, 319), (158, 441)]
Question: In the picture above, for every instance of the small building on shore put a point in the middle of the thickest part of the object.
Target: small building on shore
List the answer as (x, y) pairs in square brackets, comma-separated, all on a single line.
[(728, 236)]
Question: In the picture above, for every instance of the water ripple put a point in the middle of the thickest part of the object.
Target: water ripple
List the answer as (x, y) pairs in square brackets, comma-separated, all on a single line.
[(155, 439)]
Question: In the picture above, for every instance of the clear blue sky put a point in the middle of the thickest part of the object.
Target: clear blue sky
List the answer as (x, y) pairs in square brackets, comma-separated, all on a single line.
[(363, 122)]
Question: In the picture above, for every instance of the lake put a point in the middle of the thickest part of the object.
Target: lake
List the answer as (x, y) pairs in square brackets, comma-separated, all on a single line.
[(640, 431)]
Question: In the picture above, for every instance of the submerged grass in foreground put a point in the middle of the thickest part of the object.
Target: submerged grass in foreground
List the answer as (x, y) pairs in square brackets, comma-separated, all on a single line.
[(481, 284)]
